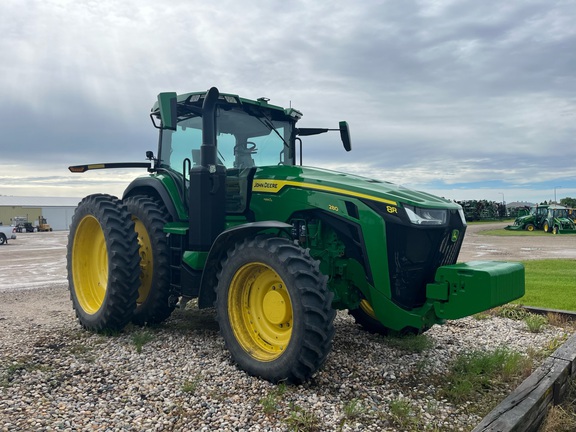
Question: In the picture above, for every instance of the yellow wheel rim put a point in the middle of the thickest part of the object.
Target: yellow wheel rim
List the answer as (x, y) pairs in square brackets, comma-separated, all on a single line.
[(260, 311), (367, 308), (90, 265), (546, 227), (530, 228), (146, 260)]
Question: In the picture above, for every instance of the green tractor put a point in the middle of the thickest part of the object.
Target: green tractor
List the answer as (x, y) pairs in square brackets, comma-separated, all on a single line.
[(558, 220), (551, 218), (534, 220), (228, 215)]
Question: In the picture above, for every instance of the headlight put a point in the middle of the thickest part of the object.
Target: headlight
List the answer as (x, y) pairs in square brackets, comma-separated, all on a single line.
[(424, 216)]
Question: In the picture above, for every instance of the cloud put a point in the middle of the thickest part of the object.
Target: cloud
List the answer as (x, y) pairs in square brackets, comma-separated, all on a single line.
[(437, 93)]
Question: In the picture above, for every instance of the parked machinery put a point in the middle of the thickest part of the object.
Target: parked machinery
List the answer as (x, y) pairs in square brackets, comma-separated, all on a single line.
[(227, 216)]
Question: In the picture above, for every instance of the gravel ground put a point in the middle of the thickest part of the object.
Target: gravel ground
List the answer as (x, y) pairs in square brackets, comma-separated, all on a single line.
[(55, 376)]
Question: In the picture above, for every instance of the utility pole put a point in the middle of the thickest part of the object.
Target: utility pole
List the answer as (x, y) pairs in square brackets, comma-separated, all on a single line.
[(556, 187)]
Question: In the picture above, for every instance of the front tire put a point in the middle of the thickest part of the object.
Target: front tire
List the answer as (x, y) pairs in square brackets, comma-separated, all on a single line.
[(153, 305), (102, 263), (3, 239), (274, 310), (365, 317)]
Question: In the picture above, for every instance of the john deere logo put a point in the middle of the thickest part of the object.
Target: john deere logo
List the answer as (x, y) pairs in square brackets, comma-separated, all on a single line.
[(267, 186), (455, 235)]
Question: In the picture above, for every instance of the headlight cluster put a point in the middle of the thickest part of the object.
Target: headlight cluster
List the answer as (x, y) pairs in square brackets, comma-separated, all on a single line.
[(425, 216)]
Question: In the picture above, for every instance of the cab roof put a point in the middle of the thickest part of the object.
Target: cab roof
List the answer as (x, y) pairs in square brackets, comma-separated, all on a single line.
[(196, 99)]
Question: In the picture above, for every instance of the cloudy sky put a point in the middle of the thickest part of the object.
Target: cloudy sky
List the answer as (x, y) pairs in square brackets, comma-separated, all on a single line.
[(467, 99)]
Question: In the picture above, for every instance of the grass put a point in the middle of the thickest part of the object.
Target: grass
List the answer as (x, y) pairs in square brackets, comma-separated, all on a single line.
[(504, 221), (501, 232), (535, 322), (475, 375), (511, 311), (270, 402), (562, 418), (353, 409), (551, 284), (141, 338), (559, 320), (402, 415), (14, 369), (551, 346), (191, 385), (411, 343), (303, 420)]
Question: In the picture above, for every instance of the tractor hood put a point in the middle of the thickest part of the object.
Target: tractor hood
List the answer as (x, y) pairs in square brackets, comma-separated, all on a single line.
[(564, 220), (274, 179), (525, 218)]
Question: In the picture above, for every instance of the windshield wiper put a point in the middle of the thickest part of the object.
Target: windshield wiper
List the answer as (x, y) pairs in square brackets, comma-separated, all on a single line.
[(268, 123)]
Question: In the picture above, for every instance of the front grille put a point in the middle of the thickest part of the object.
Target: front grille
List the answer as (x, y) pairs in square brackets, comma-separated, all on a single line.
[(414, 254)]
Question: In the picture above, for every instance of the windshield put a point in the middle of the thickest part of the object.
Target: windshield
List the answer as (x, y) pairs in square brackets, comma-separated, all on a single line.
[(539, 211), (243, 141), (560, 213)]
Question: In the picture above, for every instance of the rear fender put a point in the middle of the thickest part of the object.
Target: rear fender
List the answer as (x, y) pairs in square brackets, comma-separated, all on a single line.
[(155, 188)]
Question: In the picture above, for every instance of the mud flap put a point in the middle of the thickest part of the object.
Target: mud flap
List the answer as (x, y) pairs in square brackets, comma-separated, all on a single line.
[(467, 288)]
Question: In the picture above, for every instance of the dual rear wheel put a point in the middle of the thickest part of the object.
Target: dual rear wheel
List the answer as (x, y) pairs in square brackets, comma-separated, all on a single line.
[(117, 262), (102, 262)]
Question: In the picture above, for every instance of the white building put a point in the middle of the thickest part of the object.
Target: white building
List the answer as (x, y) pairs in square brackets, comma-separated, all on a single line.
[(57, 211)]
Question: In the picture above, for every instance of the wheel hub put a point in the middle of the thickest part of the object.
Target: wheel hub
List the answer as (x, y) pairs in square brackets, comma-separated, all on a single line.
[(274, 307), (260, 311), (90, 265)]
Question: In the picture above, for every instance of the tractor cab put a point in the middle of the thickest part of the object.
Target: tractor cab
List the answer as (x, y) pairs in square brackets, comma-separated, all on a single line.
[(247, 134), (245, 139)]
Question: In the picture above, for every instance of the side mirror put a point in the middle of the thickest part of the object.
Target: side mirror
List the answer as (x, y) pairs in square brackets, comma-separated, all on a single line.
[(168, 110), (345, 135)]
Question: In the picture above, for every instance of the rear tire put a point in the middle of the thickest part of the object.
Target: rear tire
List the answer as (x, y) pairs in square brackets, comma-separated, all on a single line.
[(102, 262), (274, 310), (148, 215), (3, 239)]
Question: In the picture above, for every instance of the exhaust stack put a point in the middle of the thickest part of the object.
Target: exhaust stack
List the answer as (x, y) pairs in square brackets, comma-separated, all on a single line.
[(207, 202)]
